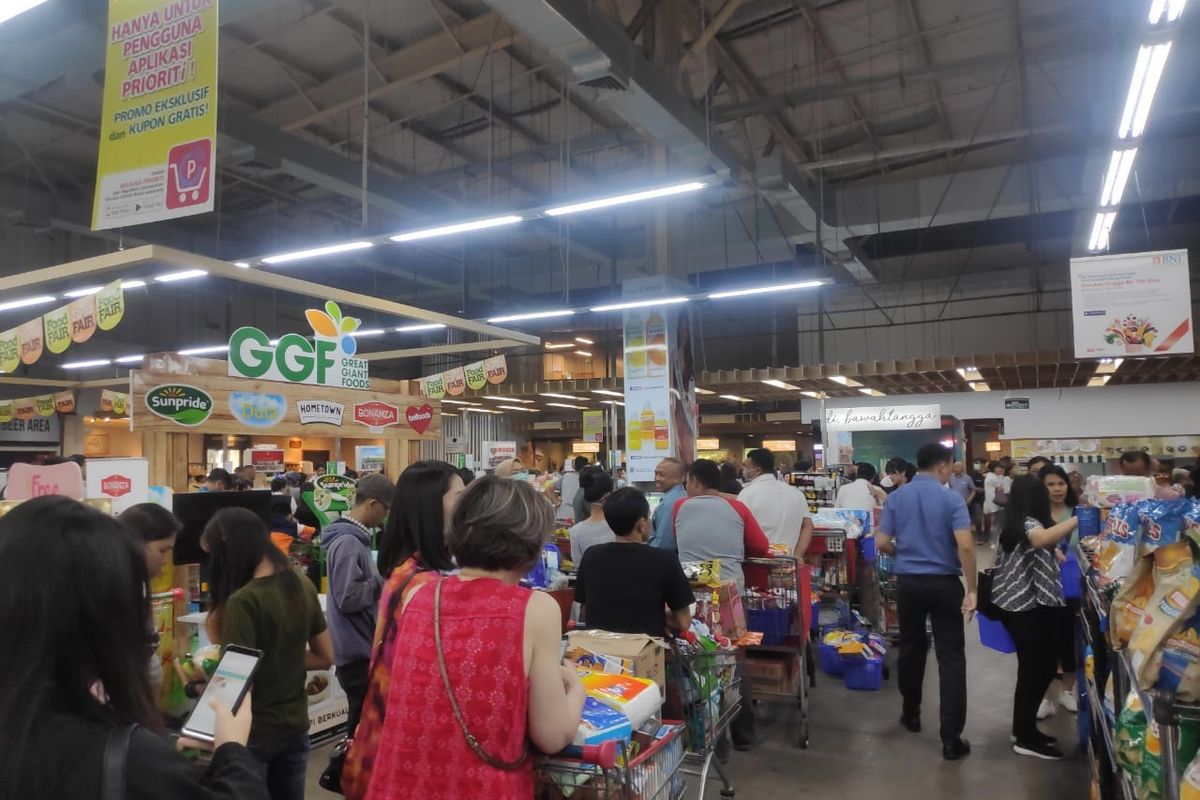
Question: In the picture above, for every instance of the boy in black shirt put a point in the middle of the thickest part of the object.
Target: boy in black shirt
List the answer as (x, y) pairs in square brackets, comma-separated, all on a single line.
[(625, 586)]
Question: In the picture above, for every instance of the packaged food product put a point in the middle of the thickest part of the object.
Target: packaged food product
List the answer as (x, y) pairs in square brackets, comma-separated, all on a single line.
[(1160, 523), (637, 698), (1171, 603), (1189, 787), (1106, 491), (1191, 520), (601, 723), (1130, 736), (1128, 606), (1149, 781), (1118, 543), (1175, 666)]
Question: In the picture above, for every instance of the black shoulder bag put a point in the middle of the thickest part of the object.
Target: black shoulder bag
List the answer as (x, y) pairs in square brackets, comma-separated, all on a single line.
[(116, 757)]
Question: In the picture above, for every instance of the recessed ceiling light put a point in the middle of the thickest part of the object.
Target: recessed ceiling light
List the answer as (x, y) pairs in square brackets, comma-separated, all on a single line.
[(1099, 380), (813, 395), (848, 382), (872, 392), (969, 373), (779, 384)]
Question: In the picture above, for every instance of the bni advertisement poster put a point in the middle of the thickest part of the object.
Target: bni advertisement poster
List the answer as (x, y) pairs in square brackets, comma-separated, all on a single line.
[(1132, 304)]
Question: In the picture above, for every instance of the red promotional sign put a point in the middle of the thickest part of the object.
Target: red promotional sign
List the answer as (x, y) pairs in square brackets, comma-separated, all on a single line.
[(116, 485), (376, 414), (419, 418)]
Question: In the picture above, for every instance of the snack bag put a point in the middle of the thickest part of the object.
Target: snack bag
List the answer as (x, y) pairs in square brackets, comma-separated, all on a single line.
[(1130, 736), (1189, 787), (1170, 605), (1149, 784), (1118, 542), (1175, 666), (1127, 608), (1108, 491), (1160, 523), (1191, 520)]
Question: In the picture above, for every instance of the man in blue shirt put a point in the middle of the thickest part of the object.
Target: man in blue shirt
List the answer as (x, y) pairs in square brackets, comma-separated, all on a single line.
[(668, 478), (928, 530)]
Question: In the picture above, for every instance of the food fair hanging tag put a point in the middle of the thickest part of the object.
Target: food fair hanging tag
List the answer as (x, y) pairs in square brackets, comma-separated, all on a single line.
[(476, 375), (110, 306), (83, 319), (64, 402), (456, 382), (57, 324), (23, 408), (10, 350), (434, 387), (44, 405), (6, 410), (31, 340), (496, 369)]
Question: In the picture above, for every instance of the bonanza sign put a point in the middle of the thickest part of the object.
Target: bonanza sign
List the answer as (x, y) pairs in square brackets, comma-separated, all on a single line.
[(326, 360), (159, 123)]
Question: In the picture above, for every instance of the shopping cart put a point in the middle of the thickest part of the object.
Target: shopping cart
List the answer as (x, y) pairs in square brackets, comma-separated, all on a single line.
[(704, 687), (646, 768), (778, 604)]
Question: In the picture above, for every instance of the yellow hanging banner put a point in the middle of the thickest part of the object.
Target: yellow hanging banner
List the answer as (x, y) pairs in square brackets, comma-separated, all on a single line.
[(158, 129), (6, 410), (43, 404), (58, 329), (10, 350), (110, 306)]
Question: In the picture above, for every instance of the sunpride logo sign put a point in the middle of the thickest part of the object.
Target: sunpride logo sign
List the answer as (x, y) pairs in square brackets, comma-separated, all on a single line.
[(325, 360), (180, 403)]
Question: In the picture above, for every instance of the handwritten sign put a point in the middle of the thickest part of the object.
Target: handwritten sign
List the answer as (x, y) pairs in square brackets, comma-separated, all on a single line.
[(884, 418)]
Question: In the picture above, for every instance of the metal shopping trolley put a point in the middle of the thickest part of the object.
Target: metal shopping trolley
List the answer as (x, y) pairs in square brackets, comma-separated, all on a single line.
[(647, 768), (704, 686), (778, 604)]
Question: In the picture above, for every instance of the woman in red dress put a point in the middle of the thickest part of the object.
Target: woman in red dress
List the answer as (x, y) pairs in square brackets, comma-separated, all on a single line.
[(477, 674)]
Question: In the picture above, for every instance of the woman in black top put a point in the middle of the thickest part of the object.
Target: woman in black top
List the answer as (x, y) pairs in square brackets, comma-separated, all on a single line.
[(729, 479), (73, 672)]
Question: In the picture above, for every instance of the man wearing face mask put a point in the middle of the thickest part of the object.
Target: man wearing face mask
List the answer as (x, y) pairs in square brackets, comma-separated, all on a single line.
[(928, 530)]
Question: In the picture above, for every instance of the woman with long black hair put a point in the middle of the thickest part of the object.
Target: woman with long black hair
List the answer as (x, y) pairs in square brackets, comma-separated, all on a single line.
[(1062, 507), (412, 550), (73, 674), (260, 601), (1028, 591)]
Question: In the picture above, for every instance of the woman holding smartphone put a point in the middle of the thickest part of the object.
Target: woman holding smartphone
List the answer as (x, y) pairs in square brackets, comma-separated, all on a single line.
[(259, 601), (73, 673)]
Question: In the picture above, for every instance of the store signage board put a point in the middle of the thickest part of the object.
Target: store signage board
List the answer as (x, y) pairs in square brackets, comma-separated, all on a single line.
[(124, 481), (39, 430), (267, 459), (884, 418), (158, 128), (327, 359), (593, 426), (181, 403), (27, 481), (495, 452), (320, 411), (1132, 304), (419, 418), (1016, 404), (257, 409)]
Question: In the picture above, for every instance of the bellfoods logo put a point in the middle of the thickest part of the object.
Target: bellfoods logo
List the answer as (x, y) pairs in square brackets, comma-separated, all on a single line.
[(257, 410), (180, 403), (326, 360)]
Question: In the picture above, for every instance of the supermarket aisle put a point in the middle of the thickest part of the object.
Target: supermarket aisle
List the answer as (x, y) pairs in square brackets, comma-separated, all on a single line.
[(860, 751)]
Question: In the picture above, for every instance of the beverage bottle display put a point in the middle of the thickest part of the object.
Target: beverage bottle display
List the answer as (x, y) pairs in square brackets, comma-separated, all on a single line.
[(656, 345), (662, 433), (646, 421), (635, 347), (633, 435)]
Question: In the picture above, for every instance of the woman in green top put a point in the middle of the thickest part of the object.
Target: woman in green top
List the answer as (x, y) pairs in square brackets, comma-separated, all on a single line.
[(1062, 507), (260, 601)]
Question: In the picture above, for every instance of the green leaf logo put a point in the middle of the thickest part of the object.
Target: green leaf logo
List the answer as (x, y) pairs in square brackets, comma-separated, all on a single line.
[(180, 403)]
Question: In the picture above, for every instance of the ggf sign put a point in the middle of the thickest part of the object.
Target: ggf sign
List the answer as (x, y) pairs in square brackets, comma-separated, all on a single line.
[(325, 360)]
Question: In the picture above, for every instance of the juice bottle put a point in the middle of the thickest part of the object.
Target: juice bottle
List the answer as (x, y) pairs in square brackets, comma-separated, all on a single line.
[(646, 421), (656, 345), (633, 435), (635, 347), (662, 433)]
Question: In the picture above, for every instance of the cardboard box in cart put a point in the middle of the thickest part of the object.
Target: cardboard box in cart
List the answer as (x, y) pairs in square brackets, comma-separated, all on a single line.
[(774, 673), (622, 653)]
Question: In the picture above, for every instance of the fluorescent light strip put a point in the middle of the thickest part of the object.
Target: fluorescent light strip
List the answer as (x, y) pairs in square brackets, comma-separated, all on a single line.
[(520, 408), (621, 199), (423, 327), (562, 312), (181, 275), (563, 396), (134, 284), (566, 405), (460, 227), (704, 391), (368, 332), (128, 359), (25, 302), (201, 351), (459, 403), (582, 340), (1101, 229), (814, 395), (613, 403), (13, 8), (847, 382), (482, 410), (99, 362), (872, 392), (242, 264), (1098, 380), (779, 384), (1172, 8), (84, 292), (500, 399), (609, 393), (736, 399), (1121, 178), (583, 353), (559, 346), (782, 287), (1107, 366), (1147, 72), (663, 301), (328, 250)]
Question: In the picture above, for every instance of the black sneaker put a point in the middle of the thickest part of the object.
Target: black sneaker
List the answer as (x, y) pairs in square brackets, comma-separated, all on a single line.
[(911, 724), (1042, 750), (1050, 740), (956, 751)]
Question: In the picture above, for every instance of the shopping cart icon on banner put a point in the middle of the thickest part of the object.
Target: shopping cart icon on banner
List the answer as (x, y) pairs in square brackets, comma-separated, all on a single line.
[(188, 176)]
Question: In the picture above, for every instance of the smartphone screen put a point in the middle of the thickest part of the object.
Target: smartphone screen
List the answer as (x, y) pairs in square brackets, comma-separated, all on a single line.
[(227, 686)]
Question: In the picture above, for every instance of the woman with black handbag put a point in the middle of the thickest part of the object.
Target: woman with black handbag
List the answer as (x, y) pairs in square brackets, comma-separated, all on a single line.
[(1028, 591), (79, 720)]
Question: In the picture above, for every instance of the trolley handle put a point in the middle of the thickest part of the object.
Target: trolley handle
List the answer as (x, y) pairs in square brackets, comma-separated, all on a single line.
[(603, 755)]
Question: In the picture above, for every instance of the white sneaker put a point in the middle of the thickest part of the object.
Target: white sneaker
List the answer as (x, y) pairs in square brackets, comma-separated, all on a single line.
[(1045, 710), (1067, 701)]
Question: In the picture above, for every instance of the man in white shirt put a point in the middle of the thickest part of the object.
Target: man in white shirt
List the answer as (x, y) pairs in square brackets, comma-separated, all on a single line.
[(862, 493), (781, 510)]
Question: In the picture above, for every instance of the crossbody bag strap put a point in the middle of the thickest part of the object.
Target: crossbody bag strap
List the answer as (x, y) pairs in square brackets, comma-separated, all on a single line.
[(116, 757), (389, 627), (484, 755)]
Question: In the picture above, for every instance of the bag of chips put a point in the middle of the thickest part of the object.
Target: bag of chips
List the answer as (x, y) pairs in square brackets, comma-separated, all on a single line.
[(1175, 666), (1128, 606), (1130, 735), (1118, 543), (1160, 523), (1171, 603), (1191, 521), (1189, 787)]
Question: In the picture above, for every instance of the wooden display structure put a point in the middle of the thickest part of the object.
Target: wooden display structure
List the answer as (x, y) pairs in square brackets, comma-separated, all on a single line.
[(165, 442)]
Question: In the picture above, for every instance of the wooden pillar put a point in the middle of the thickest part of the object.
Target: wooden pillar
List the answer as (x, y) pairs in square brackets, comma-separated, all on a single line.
[(168, 456)]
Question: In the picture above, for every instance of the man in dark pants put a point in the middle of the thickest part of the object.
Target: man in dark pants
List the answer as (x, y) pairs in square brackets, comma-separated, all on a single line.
[(928, 529)]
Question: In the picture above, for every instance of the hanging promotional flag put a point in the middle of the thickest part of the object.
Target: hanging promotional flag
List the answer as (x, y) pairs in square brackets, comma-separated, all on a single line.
[(83, 319), (31, 340), (58, 329), (110, 306), (120, 403), (496, 369), (23, 408), (6, 411), (476, 375), (113, 402), (593, 426), (44, 405), (106, 399), (64, 402), (10, 350), (456, 382), (433, 387), (158, 128)]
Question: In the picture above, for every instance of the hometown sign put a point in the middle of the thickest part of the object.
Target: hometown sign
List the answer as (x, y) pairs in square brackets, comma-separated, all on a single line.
[(327, 359)]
